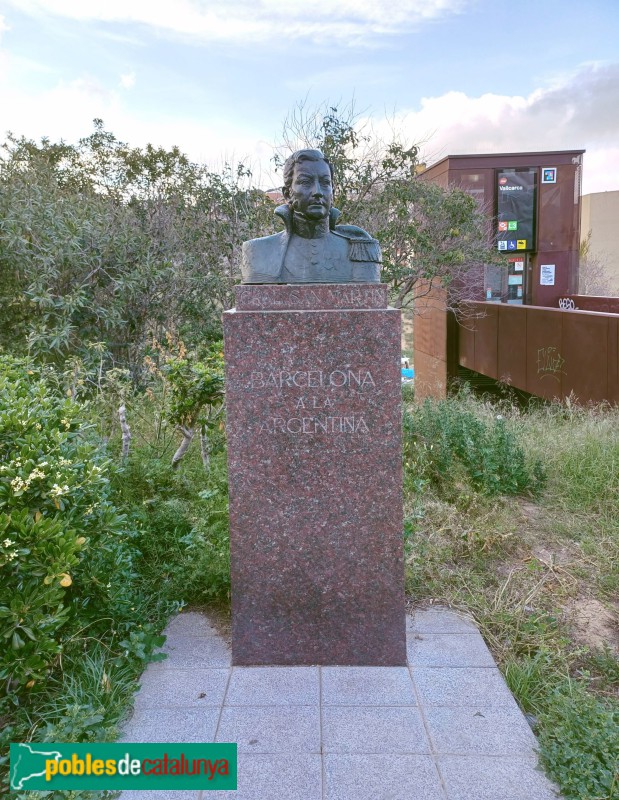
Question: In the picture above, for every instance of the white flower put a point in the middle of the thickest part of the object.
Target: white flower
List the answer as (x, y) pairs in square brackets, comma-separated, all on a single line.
[(57, 491), (7, 542), (18, 485)]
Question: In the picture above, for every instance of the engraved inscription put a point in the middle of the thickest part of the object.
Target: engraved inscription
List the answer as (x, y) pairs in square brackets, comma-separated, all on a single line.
[(316, 408), (311, 379), (335, 296), (355, 423)]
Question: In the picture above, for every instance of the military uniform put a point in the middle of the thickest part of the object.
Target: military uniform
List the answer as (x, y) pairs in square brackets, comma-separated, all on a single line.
[(304, 253)]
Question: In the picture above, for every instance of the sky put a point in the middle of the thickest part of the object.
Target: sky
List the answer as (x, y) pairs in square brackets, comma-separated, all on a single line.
[(218, 79)]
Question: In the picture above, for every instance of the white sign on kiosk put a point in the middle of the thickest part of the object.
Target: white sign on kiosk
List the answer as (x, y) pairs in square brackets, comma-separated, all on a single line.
[(547, 275)]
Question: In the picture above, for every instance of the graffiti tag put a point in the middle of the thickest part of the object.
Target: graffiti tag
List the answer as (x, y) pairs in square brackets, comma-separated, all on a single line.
[(550, 362)]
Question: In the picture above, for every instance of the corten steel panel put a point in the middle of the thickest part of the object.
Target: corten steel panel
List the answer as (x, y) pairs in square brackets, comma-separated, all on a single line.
[(430, 376), (546, 363), (585, 349), (613, 360), (546, 158), (466, 349), (512, 346), (486, 341), (548, 296), (606, 305), (558, 224)]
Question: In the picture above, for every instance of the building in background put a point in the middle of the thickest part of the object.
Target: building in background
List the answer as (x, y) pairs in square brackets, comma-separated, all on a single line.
[(534, 199), (599, 220)]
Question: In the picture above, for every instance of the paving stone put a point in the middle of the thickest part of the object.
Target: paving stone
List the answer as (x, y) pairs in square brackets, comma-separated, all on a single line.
[(439, 621), (382, 729), (271, 777), (273, 686), (181, 688), (271, 729), (486, 778), (194, 652), (486, 731), (447, 650), (371, 686), (378, 776), (172, 725), (190, 623), (452, 686)]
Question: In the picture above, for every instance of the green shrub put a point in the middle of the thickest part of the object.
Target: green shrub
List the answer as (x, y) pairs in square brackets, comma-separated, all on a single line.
[(66, 554), (181, 519), (579, 744), (451, 446)]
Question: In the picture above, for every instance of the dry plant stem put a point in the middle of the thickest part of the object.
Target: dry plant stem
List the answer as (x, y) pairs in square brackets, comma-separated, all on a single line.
[(205, 448), (188, 434), (126, 430)]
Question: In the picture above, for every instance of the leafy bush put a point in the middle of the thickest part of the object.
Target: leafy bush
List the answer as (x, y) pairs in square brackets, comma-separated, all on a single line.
[(450, 446), (181, 520), (66, 554), (579, 743)]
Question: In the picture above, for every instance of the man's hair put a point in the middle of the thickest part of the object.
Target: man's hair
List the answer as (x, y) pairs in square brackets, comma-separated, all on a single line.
[(296, 158)]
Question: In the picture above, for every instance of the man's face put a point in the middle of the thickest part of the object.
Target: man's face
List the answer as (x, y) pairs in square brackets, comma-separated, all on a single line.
[(311, 192)]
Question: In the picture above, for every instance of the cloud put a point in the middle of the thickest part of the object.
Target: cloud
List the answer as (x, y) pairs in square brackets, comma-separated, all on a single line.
[(580, 111), (3, 26), (348, 21), (67, 110), (127, 81)]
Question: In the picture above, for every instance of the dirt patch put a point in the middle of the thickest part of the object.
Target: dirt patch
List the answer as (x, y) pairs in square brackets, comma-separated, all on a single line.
[(530, 511), (219, 615), (593, 624), (559, 556)]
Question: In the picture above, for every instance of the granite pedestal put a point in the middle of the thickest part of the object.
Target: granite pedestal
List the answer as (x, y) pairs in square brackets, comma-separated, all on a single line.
[(314, 451)]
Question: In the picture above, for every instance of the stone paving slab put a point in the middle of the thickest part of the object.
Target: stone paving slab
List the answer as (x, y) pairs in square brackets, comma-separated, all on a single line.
[(172, 725), (182, 688), (373, 729), (271, 729), (267, 686), (434, 620), (445, 727), (447, 650), (458, 686), (367, 686), (382, 776), (487, 778)]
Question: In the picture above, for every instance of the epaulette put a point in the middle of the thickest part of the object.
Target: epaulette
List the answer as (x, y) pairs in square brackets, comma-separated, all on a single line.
[(361, 246)]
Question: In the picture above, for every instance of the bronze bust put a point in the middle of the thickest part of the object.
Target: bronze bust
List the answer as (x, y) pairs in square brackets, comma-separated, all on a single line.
[(312, 248)]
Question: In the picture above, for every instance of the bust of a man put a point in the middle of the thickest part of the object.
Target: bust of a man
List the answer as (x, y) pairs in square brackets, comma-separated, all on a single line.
[(312, 248)]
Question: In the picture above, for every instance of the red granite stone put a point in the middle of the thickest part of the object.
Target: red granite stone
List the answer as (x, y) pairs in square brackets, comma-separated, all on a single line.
[(290, 297), (314, 453)]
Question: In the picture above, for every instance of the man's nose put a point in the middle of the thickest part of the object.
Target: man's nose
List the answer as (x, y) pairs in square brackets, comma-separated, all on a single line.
[(317, 189)]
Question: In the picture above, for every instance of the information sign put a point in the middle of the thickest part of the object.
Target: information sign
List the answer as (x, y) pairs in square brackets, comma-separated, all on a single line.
[(516, 205)]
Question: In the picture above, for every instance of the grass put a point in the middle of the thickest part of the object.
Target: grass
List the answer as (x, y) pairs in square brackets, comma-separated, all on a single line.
[(540, 573)]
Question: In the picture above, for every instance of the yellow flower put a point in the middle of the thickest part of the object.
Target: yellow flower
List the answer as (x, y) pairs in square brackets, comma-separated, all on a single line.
[(66, 579)]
